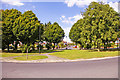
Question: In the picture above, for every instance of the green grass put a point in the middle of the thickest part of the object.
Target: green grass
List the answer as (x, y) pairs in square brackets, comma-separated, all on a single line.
[(42, 51), (36, 52), (30, 58), (84, 54), (10, 54), (16, 54)]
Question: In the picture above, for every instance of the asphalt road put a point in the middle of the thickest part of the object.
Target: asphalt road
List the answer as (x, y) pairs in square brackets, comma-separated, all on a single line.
[(107, 68)]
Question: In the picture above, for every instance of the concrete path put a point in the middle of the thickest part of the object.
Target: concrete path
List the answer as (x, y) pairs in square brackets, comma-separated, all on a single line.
[(49, 59), (52, 58)]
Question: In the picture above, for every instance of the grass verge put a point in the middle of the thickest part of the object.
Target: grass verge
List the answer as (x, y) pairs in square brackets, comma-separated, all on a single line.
[(35, 52), (84, 54), (30, 58), (43, 51), (11, 54)]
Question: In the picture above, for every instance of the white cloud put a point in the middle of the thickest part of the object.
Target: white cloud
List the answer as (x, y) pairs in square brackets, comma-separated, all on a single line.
[(67, 30), (114, 5), (79, 3), (82, 3), (27, 10), (104, 1), (70, 20), (13, 2), (63, 16)]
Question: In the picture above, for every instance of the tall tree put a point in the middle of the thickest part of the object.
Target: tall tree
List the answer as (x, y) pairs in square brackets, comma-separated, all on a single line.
[(53, 33), (8, 19), (76, 33), (26, 28), (101, 25), (103, 21), (1, 29)]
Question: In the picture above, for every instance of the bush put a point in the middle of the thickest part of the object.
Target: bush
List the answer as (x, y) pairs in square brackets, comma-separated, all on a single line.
[(23, 48), (48, 46), (61, 45), (41, 47), (109, 45), (80, 46)]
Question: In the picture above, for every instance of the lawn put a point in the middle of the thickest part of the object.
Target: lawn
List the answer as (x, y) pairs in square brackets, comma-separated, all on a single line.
[(84, 54), (16, 54), (10, 54), (30, 58), (43, 51), (36, 52)]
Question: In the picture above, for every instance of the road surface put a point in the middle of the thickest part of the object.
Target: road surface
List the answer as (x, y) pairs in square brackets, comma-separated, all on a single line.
[(107, 68)]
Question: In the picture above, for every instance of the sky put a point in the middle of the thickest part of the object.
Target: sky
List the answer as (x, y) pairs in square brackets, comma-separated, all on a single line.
[(64, 12)]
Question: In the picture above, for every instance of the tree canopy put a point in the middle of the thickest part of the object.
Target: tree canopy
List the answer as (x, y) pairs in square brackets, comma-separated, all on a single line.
[(8, 19), (53, 33), (99, 26), (26, 27)]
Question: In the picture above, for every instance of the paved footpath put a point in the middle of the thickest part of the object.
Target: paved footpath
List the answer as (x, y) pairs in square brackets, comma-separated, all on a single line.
[(50, 58)]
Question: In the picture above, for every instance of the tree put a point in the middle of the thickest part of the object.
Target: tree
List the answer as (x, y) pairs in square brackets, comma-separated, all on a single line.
[(8, 19), (103, 22), (1, 28), (26, 28), (76, 33), (53, 33), (100, 26)]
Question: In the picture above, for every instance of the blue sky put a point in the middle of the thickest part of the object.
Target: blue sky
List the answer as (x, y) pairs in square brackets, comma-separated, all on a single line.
[(66, 13)]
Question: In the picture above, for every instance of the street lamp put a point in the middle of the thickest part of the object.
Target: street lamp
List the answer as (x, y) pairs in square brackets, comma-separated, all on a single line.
[(39, 36)]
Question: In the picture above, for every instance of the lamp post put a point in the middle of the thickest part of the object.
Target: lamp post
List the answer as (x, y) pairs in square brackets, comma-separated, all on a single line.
[(118, 43), (39, 36), (66, 42)]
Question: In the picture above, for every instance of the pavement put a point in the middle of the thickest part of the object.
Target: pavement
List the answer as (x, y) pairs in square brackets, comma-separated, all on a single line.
[(50, 58), (107, 68)]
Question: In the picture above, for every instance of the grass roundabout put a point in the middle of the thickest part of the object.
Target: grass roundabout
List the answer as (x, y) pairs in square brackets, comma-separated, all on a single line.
[(84, 54), (31, 58)]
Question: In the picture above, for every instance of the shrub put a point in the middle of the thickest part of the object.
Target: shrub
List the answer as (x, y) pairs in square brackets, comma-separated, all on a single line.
[(41, 47), (61, 45), (23, 48), (48, 46)]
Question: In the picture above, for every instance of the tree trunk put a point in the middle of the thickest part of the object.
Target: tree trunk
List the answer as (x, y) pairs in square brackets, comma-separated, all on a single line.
[(94, 45), (33, 46), (27, 54), (105, 46), (76, 43), (8, 47), (16, 45), (98, 48), (98, 45), (54, 46)]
